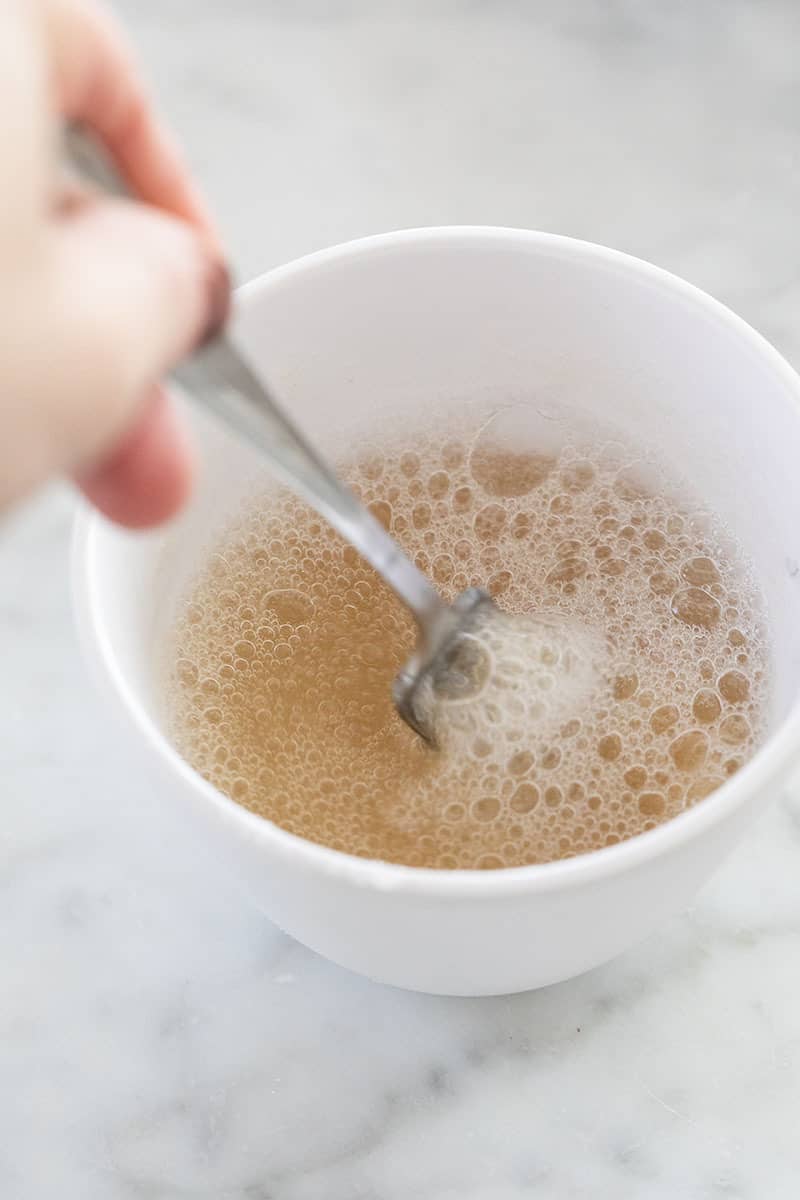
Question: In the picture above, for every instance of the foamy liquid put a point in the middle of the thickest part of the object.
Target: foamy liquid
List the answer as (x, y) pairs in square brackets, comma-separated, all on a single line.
[(282, 660)]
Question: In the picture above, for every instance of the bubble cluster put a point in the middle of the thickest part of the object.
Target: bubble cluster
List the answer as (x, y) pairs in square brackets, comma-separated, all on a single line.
[(636, 687), (512, 679)]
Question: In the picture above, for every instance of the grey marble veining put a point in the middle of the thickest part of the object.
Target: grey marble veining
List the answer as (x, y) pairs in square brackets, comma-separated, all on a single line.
[(159, 1040)]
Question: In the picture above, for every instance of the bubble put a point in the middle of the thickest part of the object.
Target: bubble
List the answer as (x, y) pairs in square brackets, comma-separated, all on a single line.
[(654, 539), (443, 568), (693, 606), (521, 525), (239, 789), (382, 512), (525, 798), (489, 522), (701, 571), (578, 476), (568, 570), (689, 750), (289, 606), (462, 499), (245, 650), (636, 778), (371, 467), (409, 464), (734, 729), (498, 464), (438, 484), (551, 758), (486, 809), (610, 747), (194, 614), (625, 685), (499, 582), (702, 788), (629, 483), (662, 582), (186, 672), (664, 717), (651, 804), (734, 687), (706, 706), (421, 516)]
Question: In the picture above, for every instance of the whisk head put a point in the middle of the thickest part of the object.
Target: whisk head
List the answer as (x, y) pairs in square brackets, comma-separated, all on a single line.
[(452, 666)]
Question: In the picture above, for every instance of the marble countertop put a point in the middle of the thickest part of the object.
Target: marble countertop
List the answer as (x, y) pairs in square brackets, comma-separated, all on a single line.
[(158, 1039)]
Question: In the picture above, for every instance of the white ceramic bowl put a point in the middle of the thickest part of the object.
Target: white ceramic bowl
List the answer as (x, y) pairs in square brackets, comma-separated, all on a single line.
[(376, 332)]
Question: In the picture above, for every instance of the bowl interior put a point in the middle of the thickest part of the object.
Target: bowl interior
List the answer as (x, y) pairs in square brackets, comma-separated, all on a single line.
[(379, 334)]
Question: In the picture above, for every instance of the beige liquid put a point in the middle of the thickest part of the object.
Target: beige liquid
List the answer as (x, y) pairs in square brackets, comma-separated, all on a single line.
[(283, 658)]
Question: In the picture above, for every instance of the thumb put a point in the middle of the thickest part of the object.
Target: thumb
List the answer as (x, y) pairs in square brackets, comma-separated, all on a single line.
[(130, 291), (147, 476)]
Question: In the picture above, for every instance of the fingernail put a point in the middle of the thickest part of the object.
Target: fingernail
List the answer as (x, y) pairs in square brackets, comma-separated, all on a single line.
[(218, 301)]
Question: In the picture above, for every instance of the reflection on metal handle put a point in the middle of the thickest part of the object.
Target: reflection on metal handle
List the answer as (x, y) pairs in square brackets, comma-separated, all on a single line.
[(220, 378)]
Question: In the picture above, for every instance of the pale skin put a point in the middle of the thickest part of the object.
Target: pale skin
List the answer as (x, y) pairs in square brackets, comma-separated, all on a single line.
[(99, 297)]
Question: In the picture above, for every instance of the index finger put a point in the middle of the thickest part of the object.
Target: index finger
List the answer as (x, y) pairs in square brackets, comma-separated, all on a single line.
[(97, 83)]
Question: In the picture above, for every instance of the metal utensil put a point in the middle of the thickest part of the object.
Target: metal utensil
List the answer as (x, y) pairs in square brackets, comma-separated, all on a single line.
[(219, 376)]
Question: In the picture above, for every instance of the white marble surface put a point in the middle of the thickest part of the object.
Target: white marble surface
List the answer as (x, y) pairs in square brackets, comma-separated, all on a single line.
[(158, 1039)]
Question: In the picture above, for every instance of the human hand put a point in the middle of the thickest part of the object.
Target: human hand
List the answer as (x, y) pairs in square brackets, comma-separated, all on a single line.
[(98, 296)]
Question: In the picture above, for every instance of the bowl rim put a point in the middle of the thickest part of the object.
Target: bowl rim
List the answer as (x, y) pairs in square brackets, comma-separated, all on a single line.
[(772, 760)]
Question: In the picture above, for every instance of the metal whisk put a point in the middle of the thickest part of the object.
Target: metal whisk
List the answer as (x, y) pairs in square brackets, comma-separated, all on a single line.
[(219, 377)]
